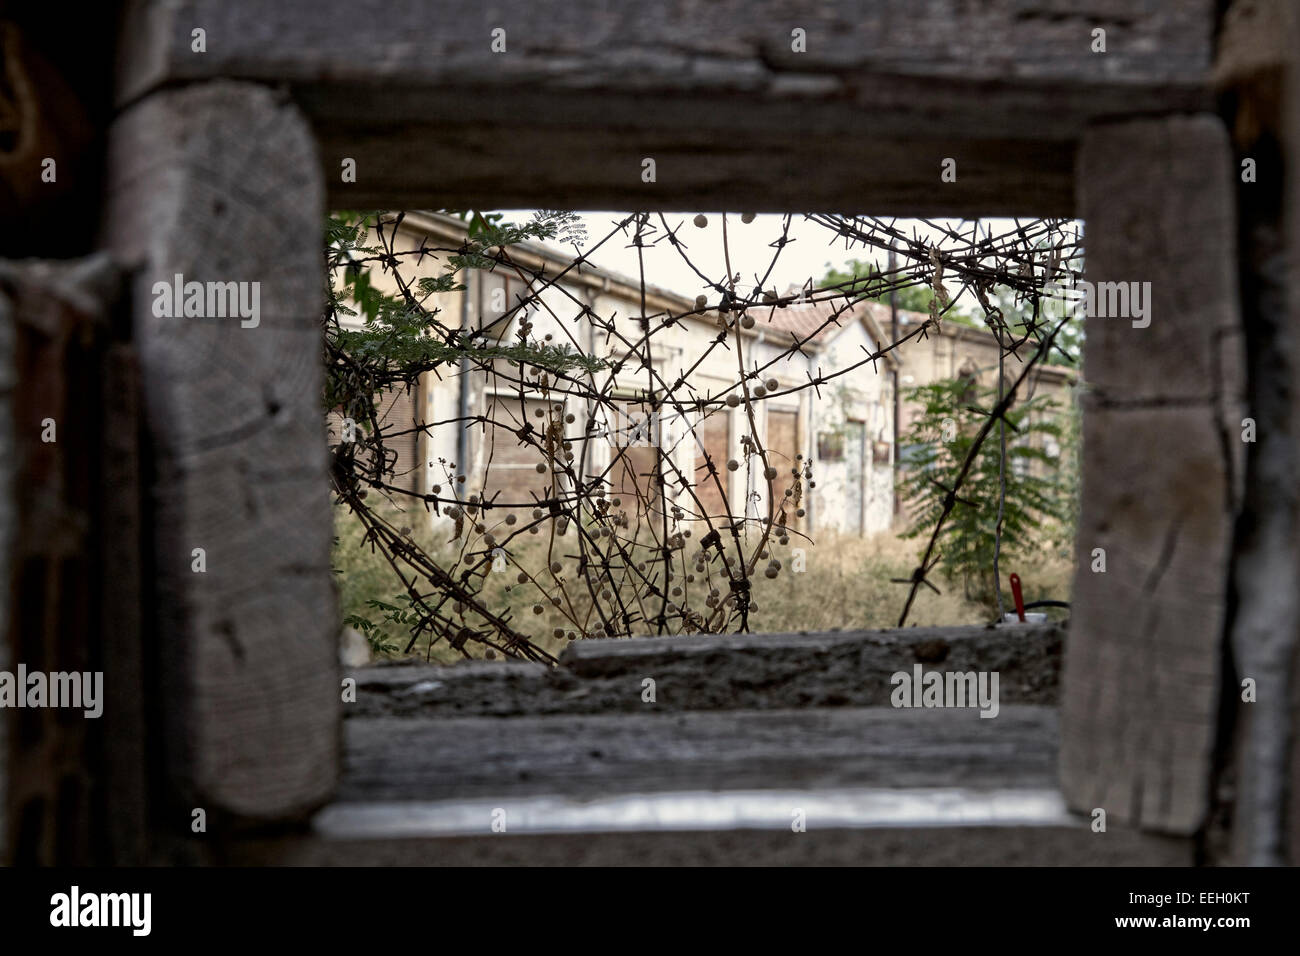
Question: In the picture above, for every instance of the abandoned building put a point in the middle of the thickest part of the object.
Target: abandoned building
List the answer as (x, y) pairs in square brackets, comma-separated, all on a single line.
[(847, 431), (854, 491)]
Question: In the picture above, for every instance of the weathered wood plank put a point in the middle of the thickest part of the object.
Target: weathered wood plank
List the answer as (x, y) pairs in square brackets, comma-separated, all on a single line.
[(1249, 788), (59, 806), (970, 845), (1290, 135), (601, 755), (876, 786), (719, 672), (1141, 683), (126, 659), (8, 529), (748, 809), (220, 183), (586, 44), (1005, 87)]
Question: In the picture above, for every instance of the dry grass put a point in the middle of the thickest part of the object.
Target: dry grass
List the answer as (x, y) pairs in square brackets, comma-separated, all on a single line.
[(846, 584)]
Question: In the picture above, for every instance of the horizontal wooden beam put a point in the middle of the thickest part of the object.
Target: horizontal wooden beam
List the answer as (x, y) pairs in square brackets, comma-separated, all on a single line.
[(873, 786), (736, 107), (701, 810), (600, 755), (979, 842), (720, 672)]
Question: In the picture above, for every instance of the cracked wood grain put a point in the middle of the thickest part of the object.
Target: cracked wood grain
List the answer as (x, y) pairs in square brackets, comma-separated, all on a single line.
[(219, 182), (1141, 682), (713, 91)]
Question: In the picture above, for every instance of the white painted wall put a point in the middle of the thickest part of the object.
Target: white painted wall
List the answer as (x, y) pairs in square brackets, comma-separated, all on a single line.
[(863, 394)]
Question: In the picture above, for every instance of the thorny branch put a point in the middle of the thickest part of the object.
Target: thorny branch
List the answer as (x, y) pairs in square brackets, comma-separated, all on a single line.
[(628, 546)]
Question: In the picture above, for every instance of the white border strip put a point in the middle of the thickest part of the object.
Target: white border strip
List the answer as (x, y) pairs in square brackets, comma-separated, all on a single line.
[(701, 810)]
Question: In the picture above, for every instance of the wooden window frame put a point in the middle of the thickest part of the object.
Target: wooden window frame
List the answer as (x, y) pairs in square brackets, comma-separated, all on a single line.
[(1131, 149)]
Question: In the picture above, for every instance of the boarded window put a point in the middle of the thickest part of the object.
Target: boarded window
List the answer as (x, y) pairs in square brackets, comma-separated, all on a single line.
[(712, 441), (513, 448), (395, 409), (782, 438), (634, 459), (830, 446)]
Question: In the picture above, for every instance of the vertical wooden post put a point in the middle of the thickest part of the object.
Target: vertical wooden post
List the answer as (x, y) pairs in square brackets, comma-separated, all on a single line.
[(1291, 219), (68, 799), (8, 520), (220, 183), (1143, 661)]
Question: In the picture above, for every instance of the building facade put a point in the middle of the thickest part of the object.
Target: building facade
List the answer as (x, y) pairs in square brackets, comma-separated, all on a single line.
[(851, 473)]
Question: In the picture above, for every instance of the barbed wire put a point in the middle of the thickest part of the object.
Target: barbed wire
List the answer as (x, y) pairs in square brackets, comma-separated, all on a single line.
[(632, 546)]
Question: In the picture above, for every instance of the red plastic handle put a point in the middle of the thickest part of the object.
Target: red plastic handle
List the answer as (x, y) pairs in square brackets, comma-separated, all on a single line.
[(1020, 598)]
